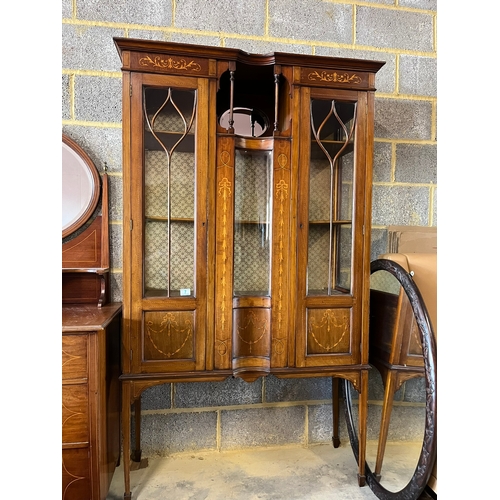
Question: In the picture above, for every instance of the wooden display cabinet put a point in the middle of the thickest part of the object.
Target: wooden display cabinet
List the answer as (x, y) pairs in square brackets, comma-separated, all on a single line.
[(247, 206)]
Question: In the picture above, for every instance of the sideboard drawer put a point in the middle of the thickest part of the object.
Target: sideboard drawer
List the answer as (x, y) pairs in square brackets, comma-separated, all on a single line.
[(74, 356), (75, 413), (76, 481)]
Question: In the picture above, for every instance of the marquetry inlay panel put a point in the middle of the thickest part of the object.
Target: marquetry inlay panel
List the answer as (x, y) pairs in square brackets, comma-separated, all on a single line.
[(224, 199), (328, 331), (168, 335), (174, 64), (332, 78), (75, 413), (251, 332), (225, 192), (76, 477), (74, 356), (280, 252)]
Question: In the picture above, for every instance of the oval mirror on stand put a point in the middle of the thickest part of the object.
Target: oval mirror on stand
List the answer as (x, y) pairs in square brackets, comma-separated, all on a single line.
[(81, 186), (401, 444)]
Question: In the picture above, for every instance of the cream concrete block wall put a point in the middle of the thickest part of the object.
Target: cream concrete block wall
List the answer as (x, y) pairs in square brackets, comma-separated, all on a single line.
[(400, 32)]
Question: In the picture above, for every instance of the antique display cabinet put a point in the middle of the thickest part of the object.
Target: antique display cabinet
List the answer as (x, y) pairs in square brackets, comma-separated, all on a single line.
[(247, 205)]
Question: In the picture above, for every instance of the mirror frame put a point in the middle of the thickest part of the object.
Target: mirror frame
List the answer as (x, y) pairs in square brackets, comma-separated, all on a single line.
[(84, 160), (423, 470)]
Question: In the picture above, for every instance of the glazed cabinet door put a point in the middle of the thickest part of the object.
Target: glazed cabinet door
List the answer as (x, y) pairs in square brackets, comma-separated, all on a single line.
[(331, 219), (167, 183)]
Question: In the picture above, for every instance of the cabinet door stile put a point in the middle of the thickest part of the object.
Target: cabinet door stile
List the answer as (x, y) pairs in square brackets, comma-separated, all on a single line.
[(295, 232), (211, 227), (127, 141), (367, 173), (200, 228), (362, 226), (302, 227)]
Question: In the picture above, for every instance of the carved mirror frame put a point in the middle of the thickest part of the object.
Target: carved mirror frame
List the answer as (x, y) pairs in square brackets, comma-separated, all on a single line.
[(423, 470), (87, 183)]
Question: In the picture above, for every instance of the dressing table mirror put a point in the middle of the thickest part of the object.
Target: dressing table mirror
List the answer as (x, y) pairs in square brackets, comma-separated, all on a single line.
[(91, 329), (81, 187), (401, 442), (85, 256)]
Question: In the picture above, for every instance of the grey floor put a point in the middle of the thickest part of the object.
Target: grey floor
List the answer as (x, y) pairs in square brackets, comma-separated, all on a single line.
[(285, 473)]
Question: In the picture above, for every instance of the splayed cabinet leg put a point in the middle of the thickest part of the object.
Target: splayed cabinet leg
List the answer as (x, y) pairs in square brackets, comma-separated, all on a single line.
[(136, 454), (335, 411), (126, 415), (363, 414)]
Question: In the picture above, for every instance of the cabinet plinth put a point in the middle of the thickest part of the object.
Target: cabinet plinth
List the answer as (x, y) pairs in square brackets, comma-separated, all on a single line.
[(247, 184)]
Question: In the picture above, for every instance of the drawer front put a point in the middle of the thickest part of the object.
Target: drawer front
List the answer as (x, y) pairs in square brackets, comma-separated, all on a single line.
[(76, 484), (75, 414), (74, 356)]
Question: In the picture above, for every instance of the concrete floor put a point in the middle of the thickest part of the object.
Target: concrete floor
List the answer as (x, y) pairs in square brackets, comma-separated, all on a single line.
[(285, 473)]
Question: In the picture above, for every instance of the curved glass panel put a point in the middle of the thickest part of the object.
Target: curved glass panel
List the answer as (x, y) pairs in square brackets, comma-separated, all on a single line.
[(252, 224)]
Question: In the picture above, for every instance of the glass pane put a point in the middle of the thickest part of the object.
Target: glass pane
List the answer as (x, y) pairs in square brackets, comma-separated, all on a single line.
[(169, 162), (330, 197), (252, 225)]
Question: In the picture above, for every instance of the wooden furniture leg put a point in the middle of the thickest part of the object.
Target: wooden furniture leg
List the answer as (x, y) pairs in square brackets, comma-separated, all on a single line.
[(390, 389), (363, 417), (126, 415), (335, 411), (136, 456)]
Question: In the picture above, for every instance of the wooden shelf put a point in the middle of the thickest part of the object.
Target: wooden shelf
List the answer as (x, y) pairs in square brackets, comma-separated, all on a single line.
[(254, 222), (327, 222), (160, 292), (324, 292), (151, 218), (155, 218)]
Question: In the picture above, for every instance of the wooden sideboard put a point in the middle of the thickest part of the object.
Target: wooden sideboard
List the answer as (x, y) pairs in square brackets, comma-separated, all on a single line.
[(91, 333), (90, 399)]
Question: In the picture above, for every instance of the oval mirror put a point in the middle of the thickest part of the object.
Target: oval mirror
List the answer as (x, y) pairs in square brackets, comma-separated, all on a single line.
[(247, 122), (80, 186), (401, 438)]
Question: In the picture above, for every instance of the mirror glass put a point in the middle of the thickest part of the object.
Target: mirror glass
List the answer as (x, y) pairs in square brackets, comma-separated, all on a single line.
[(80, 187), (397, 437), (247, 122)]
